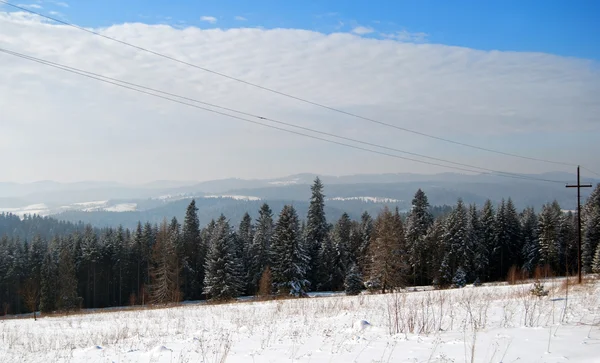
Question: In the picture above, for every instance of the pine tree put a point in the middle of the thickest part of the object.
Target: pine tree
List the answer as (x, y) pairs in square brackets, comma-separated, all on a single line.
[(530, 251), (288, 257), (261, 243), (223, 275), (191, 263), (388, 266), (353, 283), (316, 230), (417, 224), (549, 235)]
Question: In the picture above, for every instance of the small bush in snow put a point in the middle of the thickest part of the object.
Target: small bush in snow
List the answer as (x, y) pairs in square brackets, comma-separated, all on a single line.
[(353, 283), (460, 278), (538, 289)]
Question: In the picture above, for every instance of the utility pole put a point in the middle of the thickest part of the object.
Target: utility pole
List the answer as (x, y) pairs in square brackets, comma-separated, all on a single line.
[(578, 186)]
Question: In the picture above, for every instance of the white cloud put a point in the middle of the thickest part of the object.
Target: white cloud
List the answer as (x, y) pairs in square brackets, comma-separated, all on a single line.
[(30, 6), (240, 18), (530, 103), (208, 19), (361, 30), (56, 13), (406, 36), (60, 3)]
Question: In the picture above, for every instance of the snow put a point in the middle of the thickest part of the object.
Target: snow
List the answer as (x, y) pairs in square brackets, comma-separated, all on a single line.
[(39, 209), (97, 203), (285, 182), (123, 207), (236, 197), (495, 323), (368, 199)]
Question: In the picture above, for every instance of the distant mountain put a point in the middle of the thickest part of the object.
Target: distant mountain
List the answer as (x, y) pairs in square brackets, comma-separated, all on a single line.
[(109, 203)]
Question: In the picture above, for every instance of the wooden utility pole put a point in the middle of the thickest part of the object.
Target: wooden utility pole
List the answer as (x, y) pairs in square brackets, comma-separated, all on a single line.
[(579, 186)]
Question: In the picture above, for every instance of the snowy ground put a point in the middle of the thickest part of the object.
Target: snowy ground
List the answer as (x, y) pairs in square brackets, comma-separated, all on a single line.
[(490, 324)]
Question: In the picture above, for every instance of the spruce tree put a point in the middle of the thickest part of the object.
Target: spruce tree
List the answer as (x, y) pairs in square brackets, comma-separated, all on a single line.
[(435, 243), (48, 283), (192, 265), (288, 257), (365, 230), (417, 224), (245, 237), (590, 230), (488, 243), (596, 260), (461, 250), (223, 274), (329, 271), (549, 235), (261, 243), (67, 299), (316, 230), (353, 283), (460, 278), (480, 255), (530, 251), (340, 238), (165, 267), (90, 255), (568, 241), (508, 238)]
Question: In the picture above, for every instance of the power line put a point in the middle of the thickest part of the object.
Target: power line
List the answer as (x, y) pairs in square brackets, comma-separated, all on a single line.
[(591, 171), (286, 94), (88, 75), (121, 83), (64, 67)]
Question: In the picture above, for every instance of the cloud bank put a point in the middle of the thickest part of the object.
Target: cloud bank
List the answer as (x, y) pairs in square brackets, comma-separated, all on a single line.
[(55, 125)]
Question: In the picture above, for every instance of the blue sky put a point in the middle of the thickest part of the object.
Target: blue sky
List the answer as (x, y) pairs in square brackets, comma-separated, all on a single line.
[(566, 28)]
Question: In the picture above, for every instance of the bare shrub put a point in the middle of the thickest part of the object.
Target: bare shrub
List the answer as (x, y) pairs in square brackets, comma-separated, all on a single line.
[(265, 285), (31, 295), (516, 275)]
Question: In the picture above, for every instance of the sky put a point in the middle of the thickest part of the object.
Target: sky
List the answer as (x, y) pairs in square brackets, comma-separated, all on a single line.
[(517, 76)]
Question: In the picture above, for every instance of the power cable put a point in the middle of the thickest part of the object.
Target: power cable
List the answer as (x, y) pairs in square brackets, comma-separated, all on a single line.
[(132, 86), (286, 94)]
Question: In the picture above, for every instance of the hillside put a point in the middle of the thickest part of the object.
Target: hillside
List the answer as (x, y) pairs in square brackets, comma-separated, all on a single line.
[(484, 324)]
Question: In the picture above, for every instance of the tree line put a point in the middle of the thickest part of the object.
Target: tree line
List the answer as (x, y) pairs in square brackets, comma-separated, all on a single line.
[(65, 266)]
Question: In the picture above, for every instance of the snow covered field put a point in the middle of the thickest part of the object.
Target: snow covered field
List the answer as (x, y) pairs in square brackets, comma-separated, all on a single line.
[(483, 324)]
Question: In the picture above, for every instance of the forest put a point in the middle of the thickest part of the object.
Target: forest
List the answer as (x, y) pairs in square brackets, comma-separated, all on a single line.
[(49, 266)]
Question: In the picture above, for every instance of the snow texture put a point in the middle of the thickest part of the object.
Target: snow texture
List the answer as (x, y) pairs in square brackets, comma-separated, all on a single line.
[(495, 323)]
